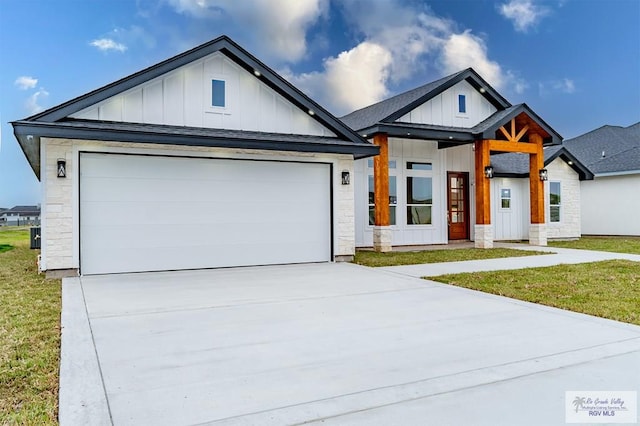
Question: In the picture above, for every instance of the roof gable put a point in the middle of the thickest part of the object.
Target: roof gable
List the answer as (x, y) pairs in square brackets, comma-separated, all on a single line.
[(390, 110), (517, 165), (183, 97), (59, 121)]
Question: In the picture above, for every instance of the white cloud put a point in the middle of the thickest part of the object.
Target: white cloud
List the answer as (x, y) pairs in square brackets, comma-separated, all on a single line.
[(467, 50), (107, 44), (524, 14), (565, 85), (33, 102), (25, 82), (279, 26), (352, 80)]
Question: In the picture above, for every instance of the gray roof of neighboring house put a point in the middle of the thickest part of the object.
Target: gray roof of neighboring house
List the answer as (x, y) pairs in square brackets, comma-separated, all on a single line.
[(23, 210), (620, 145), (47, 123), (396, 106), (517, 165)]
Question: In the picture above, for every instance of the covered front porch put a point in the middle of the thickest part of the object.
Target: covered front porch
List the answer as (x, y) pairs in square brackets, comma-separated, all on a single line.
[(460, 195)]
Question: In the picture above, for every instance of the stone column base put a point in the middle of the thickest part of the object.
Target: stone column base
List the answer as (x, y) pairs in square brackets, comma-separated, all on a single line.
[(483, 236), (538, 234), (382, 238)]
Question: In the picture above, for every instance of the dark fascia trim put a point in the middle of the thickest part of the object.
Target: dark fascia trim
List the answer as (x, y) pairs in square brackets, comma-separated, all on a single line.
[(583, 172), (471, 76), (54, 130), (489, 133), (230, 49), (511, 175), (410, 132)]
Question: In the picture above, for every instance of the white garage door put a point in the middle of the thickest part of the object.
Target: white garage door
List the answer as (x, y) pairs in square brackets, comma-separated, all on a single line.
[(151, 213)]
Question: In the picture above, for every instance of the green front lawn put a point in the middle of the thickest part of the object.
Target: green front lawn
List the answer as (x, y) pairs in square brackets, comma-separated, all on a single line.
[(371, 258), (613, 244), (609, 289), (29, 335)]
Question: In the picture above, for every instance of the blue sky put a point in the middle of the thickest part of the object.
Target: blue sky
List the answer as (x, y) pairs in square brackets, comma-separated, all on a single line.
[(575, 62)]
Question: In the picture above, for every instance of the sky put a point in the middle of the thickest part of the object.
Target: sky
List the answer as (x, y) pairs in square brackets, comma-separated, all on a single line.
[(575, 62)]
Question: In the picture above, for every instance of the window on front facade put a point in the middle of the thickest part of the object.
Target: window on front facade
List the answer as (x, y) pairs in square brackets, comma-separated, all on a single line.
[(554, 201), (393, 201), (462, 104), (419, 193), (218, 93), (505, 198)]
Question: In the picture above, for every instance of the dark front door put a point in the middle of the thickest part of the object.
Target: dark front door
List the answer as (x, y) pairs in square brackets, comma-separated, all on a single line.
[(458, 205)]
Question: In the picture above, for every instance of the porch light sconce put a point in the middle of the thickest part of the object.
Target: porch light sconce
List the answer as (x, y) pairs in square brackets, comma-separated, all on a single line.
[(346, 178), (62, 168), (488, 172), (544, 175)]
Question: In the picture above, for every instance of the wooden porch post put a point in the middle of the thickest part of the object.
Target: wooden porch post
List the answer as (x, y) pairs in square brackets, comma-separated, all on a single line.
[(537, 229), (381, 231), (483, 234)]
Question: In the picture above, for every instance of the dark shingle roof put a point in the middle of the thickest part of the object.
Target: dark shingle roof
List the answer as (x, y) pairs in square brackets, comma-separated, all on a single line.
[(517, 165), (370, 115), (393, 108), (620, 145)]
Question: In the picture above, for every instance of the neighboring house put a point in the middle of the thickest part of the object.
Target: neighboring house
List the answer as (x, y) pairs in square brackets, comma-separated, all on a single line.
[(431, 183), (263, 170), (20, 215), (611, 201), (510, 189)]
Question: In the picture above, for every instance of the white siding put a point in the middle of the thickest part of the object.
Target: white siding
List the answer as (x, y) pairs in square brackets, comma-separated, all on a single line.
[(513, 223), (403, 150), (610, 205), (442, 110), (510, 223), (182, 98)]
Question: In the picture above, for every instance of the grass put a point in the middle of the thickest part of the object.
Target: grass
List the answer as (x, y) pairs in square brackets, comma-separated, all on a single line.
[(29, 335), (613, 244), (609, 289), (371, 258)]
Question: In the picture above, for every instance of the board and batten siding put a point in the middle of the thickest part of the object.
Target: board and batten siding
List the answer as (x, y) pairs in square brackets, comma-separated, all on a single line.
[(401, 151), (442, 110), (510, 223), (610, 205), (182, 97)]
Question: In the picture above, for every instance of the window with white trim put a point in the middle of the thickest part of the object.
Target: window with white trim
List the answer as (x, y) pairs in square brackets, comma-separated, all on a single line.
[(419, 185), (555, 202), (505, 198), (218, 93), (462, 104), (393, 193)]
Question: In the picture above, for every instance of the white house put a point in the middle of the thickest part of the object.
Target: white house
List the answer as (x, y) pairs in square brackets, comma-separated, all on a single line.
[(20, 215), (510, 187), (263, 170), (611, 201), (433, 178)]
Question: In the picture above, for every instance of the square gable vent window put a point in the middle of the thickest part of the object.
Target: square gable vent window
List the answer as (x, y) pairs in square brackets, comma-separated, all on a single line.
[(217, 93), (462, 104)]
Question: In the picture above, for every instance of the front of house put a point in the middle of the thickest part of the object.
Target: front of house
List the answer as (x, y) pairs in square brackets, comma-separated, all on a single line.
[(265, 175), (260, 170), (434, 181)]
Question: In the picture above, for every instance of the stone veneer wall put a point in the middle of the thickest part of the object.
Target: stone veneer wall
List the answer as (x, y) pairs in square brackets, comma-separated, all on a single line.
[(57, 206), (59, 235), (569, 225)]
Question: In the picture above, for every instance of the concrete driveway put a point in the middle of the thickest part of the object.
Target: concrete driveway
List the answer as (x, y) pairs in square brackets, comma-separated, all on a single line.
[(330, 343)]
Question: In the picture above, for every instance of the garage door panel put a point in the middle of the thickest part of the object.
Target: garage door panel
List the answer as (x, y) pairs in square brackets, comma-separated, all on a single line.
[(142, 213)]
